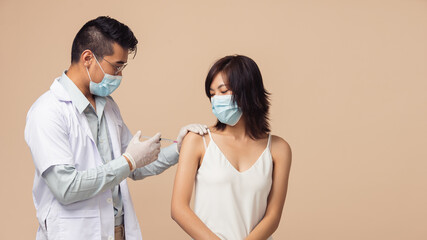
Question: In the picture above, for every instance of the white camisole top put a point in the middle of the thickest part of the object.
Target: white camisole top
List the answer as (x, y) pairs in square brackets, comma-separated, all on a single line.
[(231, 203)]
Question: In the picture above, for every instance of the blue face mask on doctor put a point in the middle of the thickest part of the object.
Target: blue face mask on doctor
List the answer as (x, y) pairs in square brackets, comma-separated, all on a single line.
[(225, 109), (108, 84)]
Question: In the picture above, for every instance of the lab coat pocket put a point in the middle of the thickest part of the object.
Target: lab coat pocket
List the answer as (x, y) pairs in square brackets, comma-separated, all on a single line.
[(80, 224)]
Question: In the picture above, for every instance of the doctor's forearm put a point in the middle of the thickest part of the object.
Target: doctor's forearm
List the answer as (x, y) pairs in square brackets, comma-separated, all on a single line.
[(69, 185), (167, 158)]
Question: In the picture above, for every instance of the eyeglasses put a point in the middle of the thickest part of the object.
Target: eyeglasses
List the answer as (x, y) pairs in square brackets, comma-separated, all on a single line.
[(118, 68)]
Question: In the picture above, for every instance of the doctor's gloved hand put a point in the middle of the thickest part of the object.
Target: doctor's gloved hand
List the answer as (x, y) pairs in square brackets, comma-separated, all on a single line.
[(142, 153), (195, 128)]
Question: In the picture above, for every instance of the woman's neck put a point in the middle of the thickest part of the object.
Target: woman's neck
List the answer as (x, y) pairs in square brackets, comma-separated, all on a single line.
[(237, 131)]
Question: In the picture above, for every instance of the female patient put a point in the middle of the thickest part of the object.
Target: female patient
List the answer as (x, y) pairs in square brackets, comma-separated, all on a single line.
[(240, 171)]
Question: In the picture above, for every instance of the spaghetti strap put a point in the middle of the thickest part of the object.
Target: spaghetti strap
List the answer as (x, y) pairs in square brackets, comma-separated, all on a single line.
[(209, 131), (269, 140), (204, 142)]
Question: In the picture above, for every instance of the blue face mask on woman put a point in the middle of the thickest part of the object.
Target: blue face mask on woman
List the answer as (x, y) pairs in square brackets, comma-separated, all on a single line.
[(108, 84), (225, 109)]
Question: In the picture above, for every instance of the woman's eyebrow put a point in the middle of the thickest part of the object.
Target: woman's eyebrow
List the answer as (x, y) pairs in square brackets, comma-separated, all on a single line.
[(220, 86)]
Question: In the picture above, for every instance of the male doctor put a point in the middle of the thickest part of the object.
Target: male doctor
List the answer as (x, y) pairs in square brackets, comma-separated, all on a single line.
[(81, 148)]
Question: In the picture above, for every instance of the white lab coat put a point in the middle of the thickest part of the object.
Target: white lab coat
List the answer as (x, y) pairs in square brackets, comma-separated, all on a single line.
[(58, 134)]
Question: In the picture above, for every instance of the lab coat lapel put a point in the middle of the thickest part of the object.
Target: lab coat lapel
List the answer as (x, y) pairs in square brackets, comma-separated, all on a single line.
[(85, 125), (62, 95), (80, 118)]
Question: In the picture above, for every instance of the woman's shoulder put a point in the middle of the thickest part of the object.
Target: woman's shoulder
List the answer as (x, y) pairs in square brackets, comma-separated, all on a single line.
[(195, 140), (280, 148), (279, 141), (193, 145)]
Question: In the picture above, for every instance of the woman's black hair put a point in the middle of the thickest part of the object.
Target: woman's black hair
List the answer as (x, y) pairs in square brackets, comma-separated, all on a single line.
[(98, 35), (243, 77)]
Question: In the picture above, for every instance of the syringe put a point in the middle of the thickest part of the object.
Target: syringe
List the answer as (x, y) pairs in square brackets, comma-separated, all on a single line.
[(163, 139)]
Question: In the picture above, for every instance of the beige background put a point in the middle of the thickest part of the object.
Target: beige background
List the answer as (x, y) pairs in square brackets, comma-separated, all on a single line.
[(348, 79)]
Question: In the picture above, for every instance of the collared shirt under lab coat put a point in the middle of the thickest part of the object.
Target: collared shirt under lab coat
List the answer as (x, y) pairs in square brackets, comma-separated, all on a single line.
[(58, 134)]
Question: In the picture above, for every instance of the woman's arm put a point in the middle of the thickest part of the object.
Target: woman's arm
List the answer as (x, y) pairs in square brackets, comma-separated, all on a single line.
[(190, 155), (282, 156)]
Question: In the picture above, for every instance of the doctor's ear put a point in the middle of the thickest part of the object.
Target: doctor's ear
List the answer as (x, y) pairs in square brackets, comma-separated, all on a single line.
[(87, 57)]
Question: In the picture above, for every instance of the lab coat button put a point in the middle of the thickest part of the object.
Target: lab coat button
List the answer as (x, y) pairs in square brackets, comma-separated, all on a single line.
[(109, 200)]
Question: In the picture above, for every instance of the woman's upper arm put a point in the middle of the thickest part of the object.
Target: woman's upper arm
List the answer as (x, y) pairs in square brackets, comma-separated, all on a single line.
[(282, 158), (189, 157)]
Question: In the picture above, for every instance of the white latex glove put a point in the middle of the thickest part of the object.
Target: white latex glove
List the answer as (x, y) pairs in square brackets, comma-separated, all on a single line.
[(143, 153), (195, 128)]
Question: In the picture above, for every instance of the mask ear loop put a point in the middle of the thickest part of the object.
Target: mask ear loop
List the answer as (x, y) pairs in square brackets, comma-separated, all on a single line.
[(98, 63), (90, 79)]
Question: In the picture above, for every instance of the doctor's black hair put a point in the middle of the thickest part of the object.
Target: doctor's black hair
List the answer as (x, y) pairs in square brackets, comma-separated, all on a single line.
[(242, 76), (98, 35)]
